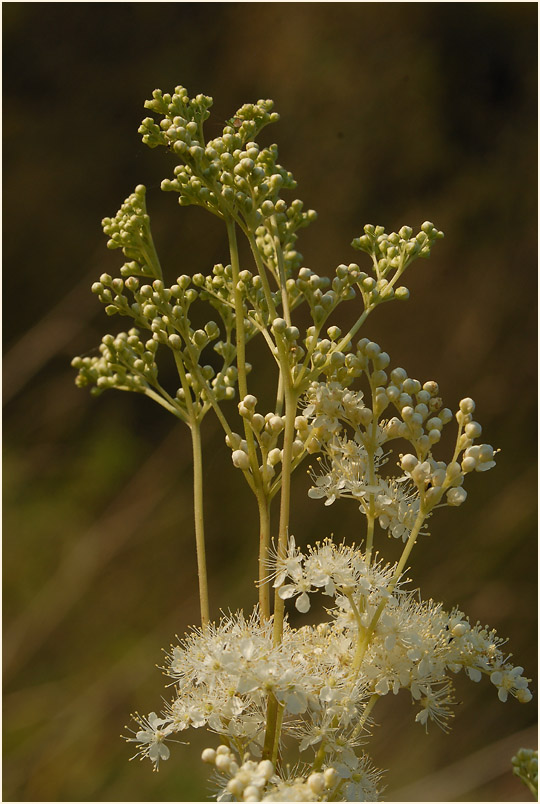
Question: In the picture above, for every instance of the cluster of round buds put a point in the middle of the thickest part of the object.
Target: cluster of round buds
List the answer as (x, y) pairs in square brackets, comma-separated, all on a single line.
[(267, 430), (392, 254), (525, 765), (281, 221), (218, 289), (436, 477), (130, 231), (242, 178), (258, 781), (318, 294), (288, 337), (394, 251), (331, 406), (164, 312), (340, 366), (230, 169), (125, 362), (421, 412), (248, 780), (177, 107), (150, 302)]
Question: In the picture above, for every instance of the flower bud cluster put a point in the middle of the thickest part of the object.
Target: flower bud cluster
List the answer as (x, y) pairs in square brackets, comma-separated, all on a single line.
[(282, 222), (192, 111), (525, 765), (165, 313), (354, 438), (218, 289), (230, 171), (393, 252), (268, 432), (320, 296), (125, 362), (130, 231), (258, 781)]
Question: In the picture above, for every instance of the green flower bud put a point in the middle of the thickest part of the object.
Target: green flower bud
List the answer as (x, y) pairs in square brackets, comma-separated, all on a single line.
[(175, 341), (279, 325)]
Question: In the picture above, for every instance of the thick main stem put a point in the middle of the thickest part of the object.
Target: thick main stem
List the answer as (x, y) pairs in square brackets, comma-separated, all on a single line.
[(199, 521), (273, 725), (264, 544)]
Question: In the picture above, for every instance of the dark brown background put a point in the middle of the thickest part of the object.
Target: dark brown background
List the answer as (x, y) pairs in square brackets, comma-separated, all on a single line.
[(391, 113)]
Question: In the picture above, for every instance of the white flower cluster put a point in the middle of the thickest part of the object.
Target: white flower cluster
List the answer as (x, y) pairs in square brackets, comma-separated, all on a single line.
[(224, 673)]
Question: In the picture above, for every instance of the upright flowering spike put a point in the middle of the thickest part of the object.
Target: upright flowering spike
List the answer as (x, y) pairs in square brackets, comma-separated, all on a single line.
[(292, 704)]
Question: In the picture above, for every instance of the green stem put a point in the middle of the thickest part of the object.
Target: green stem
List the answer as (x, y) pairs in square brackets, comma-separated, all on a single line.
[(366, 713), (281, 270), (264, 544), (370, 532), (319, 757), (238, 309), (271, 725), (279, 723), (241, 347), (370, 449), (273, 722), (199, 520), (264, 278), (291, 402)]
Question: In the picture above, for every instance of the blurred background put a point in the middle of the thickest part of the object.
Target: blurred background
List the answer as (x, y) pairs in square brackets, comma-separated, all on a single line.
[(391, 113)]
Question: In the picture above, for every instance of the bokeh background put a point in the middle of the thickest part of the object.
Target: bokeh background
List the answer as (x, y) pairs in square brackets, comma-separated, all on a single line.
[(391, 113)]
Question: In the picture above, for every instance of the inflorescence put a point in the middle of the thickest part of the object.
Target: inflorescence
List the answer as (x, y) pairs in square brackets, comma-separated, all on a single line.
[(374, 436)]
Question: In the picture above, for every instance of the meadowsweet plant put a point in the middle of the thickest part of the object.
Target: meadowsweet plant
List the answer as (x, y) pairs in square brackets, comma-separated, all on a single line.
[(289, 709)]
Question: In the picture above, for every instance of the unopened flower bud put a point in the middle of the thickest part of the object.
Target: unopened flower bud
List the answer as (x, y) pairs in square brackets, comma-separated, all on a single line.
[(456, 496), (331, 777), (408, 462), (274, 457), (175, 341), (222, 762), (315, 783), (473, 430), (235, 787), (467, 405), (468, 464), (265, 769), (279, 325), (275, 424), (460, 629), (208, 755), (240, 459)]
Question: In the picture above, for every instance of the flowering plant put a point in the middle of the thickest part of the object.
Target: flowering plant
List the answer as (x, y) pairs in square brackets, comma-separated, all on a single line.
[(292, 706)]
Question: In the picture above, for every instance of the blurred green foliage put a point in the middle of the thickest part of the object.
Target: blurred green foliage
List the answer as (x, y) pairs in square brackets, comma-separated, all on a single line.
[(391, 113)]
